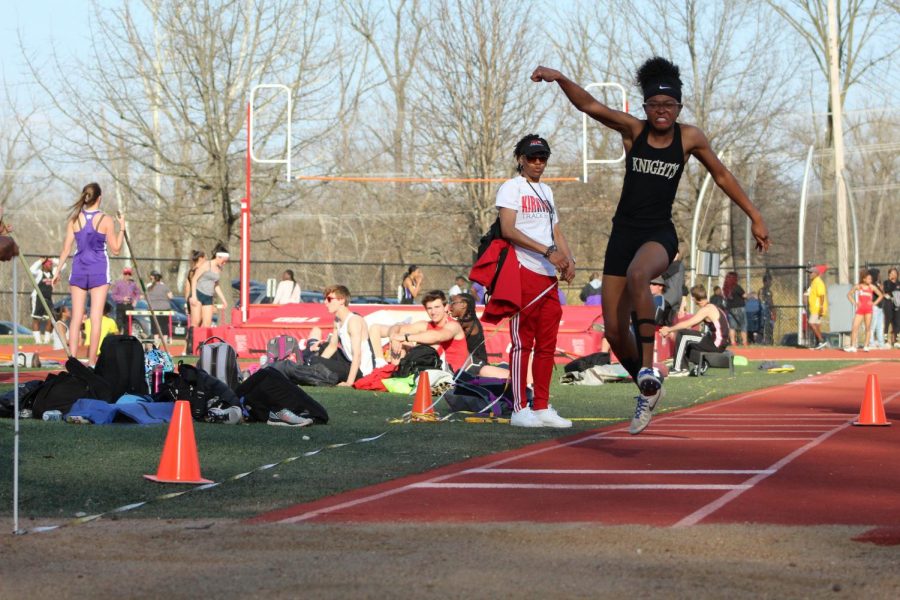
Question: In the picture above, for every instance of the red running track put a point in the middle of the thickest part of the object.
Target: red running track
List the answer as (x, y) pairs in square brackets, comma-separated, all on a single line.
[(785, 455)]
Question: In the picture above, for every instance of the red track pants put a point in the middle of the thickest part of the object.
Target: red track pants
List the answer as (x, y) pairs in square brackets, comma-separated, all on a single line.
[(535, 328)]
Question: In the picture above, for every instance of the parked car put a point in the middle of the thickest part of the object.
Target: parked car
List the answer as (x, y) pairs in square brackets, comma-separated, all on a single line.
[(311, 296), (6, 328), (258, 292)]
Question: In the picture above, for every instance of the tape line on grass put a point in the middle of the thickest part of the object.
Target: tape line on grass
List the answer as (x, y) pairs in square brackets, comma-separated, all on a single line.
[(207, 486)]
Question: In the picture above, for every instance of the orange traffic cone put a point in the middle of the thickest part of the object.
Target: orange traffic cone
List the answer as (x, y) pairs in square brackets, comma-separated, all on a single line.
[(422, 409), (179, 462), (871, 412)]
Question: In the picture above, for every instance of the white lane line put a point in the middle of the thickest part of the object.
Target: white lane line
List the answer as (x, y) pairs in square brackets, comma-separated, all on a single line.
[(745, 417), (387, 493), (713, 426), (578, 486), (662, 438), (688, 429), (705, 511), (620, 471)]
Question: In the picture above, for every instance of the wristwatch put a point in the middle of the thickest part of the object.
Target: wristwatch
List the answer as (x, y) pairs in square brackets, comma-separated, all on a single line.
[(550, 250)]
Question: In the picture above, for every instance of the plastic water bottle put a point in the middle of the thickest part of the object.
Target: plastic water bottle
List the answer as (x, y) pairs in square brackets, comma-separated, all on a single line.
[(157, 378), (53, 415)]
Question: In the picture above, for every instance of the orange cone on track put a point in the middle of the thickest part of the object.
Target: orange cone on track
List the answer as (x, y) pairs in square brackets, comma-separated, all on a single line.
[(422, 409), (872, 410), (179, 462)]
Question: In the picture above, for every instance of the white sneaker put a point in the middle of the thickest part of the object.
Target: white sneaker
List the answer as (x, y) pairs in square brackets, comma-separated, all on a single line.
[(525, 418), (850, 349), (642, 415), (679, 373), (286, 418), (821, 346), (550, 418), (865, 348), (897, 345), (649, 382)]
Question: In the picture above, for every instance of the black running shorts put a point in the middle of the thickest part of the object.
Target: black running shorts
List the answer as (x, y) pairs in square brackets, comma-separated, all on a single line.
[(625, 241)]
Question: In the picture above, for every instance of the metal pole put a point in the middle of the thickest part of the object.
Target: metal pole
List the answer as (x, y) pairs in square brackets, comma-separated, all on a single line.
[(852, 204), (695, 253), (15, 355), (834, 84), (801, 283), (584, 138)]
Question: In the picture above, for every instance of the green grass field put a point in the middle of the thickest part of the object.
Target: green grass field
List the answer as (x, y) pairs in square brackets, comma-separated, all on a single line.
[(69, 469)]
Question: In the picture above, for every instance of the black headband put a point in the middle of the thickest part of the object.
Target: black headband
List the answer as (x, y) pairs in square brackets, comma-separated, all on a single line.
[(665, 87)]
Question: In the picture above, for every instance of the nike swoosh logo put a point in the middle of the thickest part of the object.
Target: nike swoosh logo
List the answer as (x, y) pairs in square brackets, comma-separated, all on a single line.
[(665, 87)]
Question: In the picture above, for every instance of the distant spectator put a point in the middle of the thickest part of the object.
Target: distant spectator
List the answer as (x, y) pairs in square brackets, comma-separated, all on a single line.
[(158, 298), (714, 340), (88, 229), (753, 309), (590, 293), (767, 306), (439, 331), (460, 287), (865, 297), (191, 304), (412, 283), (876, 332), (462, 308), (43, 270), (124, 292), (663, 314), (288, 290), (891, 307), (717, 298), (108, 326), (478, 291), (348, 352), (817, 303), (63, 315), (735, 301), (675, 290), (205, 285)]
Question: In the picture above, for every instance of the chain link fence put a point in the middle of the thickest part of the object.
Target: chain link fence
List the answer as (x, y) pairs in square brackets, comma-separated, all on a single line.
[(774, 312)]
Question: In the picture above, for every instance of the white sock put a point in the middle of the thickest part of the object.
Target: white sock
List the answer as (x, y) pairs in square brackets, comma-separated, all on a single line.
[(46, 337), (37, 337)]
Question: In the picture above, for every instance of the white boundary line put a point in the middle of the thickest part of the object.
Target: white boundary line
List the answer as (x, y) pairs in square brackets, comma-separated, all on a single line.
[(715, 505), (581, 486), (620, 471)]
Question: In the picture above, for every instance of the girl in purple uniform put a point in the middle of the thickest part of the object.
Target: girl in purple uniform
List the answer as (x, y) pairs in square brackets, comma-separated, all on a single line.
[(92, 233)]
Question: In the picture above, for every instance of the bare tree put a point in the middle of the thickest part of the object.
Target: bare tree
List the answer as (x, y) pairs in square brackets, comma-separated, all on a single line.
[(172, 98), (477, 100)]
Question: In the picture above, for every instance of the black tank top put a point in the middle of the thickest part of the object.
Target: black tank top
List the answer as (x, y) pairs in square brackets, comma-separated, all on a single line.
[(651, 180)]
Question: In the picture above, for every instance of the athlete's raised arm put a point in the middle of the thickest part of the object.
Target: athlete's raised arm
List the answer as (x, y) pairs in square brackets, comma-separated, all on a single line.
[(581, 99)]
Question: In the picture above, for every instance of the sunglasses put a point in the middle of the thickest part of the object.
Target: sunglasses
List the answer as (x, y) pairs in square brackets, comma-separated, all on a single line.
[(330, 298), (532, 159)]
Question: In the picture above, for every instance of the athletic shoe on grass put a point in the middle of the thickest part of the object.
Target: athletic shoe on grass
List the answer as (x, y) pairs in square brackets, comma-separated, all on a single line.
[(679, 373), (642, 415), (285, 418), (550, 418), (525, 418), (231, 415)]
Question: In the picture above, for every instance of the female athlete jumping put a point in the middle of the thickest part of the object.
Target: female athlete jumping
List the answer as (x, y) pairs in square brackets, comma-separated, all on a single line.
[(643, 240)]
